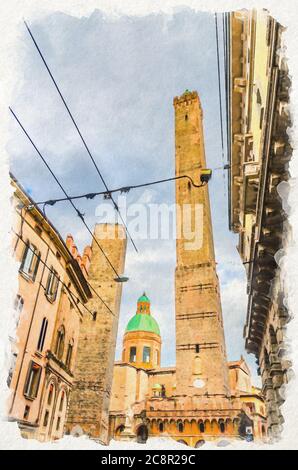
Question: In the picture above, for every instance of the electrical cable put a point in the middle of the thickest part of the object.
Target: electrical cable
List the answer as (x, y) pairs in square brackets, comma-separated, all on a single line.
[(80, 134), (79, 214)]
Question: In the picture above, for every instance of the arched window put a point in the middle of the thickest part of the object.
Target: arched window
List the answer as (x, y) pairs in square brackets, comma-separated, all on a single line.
[(161, 427), (146, 354), (52, 285), (222, 426), (133, 354), (62, 398), (180, 427), (60, 342), (69, 353), (202, 427), (50, 394), (42, 334), (46, 418)]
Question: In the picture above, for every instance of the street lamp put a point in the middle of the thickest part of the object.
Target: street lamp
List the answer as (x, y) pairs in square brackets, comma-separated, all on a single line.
[(205, 175), (121, 279)]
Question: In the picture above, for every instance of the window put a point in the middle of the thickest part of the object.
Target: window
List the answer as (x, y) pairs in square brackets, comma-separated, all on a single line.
[(163, 391), (50, 395), (222, 426), (202, 427), (33, 379), (251, 407), (161, 427), (69, 353), (58, 423), (61, 401), (26, 412), (259, 98), (133, 354), (12, 368), (18, 307), (30, 261), (146, 354), (261, 117), (197, 348), (42, 334), (18, 304), (52, 285), (46, 418), (60, 342), (180, 427)]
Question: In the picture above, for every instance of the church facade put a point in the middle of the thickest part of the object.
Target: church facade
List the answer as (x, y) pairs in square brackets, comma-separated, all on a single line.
[(203, 397), (144, 400)]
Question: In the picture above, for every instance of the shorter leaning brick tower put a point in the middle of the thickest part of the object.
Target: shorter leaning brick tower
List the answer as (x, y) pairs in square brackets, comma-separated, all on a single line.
[(88, 410)]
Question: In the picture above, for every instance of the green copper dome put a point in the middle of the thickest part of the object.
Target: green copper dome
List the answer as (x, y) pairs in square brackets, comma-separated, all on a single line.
[(143, 322), (157, 386)]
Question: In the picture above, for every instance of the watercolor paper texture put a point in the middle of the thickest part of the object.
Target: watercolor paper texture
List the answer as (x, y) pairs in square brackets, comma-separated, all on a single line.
[(161, 315)]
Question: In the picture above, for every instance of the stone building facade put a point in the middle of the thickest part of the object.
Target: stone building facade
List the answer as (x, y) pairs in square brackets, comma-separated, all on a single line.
[(259, 153), (66, 319), (193, 401), (49, 311)]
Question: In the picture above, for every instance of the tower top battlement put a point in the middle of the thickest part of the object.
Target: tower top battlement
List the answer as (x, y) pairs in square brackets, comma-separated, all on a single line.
[(186, 98)]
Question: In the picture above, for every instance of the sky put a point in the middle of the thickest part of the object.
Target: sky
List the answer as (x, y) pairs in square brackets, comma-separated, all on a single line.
[(119, 77)]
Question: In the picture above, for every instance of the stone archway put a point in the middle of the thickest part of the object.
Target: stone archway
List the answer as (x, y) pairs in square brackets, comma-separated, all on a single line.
[(142, 434), (118, 431), (199, 443), (181, 441)]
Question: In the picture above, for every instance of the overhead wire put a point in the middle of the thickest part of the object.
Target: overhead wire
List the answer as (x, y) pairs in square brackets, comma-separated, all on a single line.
[(79, 214), (80, 134), (23, 219), (122, 189), (220, 98)]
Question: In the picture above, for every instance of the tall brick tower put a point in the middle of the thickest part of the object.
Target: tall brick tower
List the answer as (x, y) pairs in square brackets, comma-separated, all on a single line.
[(200, 345), (90, 397)]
